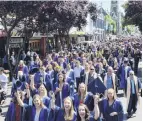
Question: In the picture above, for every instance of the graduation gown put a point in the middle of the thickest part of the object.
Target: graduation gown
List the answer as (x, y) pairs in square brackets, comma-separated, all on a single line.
[(60, 116), (115, 107), (45, 100), (89, 101), (46, 80), (24, 70), (31, 112), (65, 93), (91, 118), (11, 113), (53, 114), (123, 81), (129, 87)]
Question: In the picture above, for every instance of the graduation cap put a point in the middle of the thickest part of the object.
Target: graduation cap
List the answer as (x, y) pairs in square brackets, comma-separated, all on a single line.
[(18, 84), (39, 84), (34, 70), (96, 86)]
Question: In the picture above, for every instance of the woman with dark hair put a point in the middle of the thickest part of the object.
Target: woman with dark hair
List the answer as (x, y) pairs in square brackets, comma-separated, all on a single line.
[(15, 111), (62, 90), (85, 115)]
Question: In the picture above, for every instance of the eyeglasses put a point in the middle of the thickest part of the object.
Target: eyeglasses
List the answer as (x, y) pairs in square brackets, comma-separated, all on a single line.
[(91, 69), (131, 74)]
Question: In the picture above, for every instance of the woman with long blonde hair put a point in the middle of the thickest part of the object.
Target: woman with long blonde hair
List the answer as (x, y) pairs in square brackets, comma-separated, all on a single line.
[(111, 108), (82, 96), (38, 112), (41, 91)]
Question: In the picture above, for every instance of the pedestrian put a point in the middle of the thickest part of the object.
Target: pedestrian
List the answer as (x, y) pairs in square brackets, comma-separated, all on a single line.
[(62, 90), (123, 72), (38, 112), (133, 93), (137, 57), (66, 113), (111, 108), (82, 96)]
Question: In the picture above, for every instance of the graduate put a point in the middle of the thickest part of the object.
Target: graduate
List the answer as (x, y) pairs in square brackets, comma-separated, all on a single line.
[(66, 113), (62, 90), (77, 70), (70, 82), (61, 62), (15, 111), (83, 113), (82, 96), (41, 91), (22, 67), (50, 72), (133, 93), (69, 72), (42, 77), (38, 112), (110, 79), (123, 74), (111, 108), (85, 73)]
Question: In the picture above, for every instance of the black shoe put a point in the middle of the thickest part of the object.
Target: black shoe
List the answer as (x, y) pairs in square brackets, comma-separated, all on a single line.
[(134, 112), (129, 115)]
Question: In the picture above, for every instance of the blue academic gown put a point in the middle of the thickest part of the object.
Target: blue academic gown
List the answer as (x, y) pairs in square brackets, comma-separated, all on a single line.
[(45, 100), (47, 81), (89, 101), (65, 93), (115, 107), (31, 112), (51, 75), (71, 74), (35, 65), (64, 65), (91, 118), (71, 84), (11, 113), (123, 81), (24, 70), (53, 114), (60, 116)]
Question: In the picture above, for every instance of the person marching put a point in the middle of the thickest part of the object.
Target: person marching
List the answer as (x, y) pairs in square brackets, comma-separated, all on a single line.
[(133, 93)]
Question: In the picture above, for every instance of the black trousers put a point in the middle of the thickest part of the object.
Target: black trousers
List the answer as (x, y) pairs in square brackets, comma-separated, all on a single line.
[(136, 67), (132, 103), (78, 81)]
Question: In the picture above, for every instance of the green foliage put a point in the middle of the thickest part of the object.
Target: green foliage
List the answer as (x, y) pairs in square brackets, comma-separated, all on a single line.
[(133, 13), (109, 19)]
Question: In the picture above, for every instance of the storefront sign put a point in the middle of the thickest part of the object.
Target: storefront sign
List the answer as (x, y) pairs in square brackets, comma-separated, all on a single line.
[(16, 42)]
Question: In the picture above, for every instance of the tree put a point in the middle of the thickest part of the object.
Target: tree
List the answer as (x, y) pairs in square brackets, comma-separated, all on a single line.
[(11, 14), (133, 13), (61, 16)]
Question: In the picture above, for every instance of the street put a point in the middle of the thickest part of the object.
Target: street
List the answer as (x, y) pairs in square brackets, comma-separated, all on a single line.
[(135, 117)]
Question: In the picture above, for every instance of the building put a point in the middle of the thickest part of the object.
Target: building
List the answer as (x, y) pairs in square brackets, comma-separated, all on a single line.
[(97, 28), (116, 15)]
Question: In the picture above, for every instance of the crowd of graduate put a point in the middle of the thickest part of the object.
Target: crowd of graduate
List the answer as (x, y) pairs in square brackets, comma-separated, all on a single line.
[(77, 85)]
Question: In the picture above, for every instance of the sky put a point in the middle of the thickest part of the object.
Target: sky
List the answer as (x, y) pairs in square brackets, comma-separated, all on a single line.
[(106, 4)]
